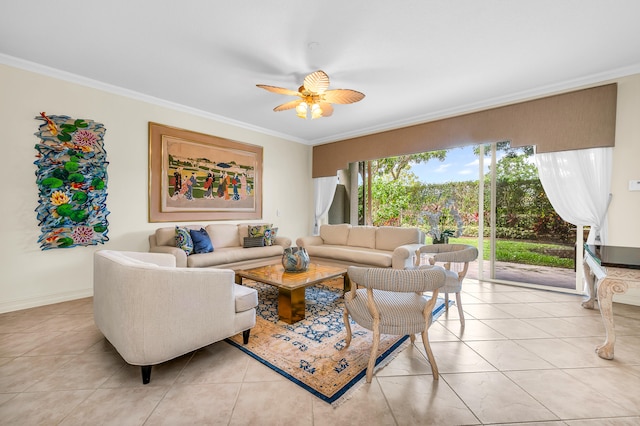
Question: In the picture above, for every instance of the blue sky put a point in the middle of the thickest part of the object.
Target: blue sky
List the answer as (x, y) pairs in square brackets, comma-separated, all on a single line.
[(460, 165)]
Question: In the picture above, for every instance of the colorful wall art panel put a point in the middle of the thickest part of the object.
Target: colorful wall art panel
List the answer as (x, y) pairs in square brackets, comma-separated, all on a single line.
[(72, 181)]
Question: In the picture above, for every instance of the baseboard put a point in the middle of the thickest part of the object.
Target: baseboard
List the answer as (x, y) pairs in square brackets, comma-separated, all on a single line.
[(49, 299)]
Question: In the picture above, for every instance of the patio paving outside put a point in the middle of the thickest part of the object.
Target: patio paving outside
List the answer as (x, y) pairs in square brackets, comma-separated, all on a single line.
[(532, 274)]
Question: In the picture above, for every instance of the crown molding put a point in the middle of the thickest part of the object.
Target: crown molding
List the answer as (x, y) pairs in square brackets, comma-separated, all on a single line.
[(538, 92), (131, 94)]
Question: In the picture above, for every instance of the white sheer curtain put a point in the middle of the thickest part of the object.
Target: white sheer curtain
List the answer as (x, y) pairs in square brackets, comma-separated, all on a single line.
[(578, 185), (324, 189)]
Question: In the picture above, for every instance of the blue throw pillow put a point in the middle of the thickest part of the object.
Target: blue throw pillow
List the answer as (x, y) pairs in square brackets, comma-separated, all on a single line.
[(201, 241)]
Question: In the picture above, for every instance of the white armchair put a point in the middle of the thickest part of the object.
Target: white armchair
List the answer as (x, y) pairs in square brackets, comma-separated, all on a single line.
[(392, 302), (151, 311), (455, 258)]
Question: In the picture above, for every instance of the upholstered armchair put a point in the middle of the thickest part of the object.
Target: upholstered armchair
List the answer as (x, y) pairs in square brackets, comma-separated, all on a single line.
[(151, 311), (391, 301), (455, 259)]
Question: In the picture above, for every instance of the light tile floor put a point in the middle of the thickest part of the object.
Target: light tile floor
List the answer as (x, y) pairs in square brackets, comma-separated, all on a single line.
[(525, 356)]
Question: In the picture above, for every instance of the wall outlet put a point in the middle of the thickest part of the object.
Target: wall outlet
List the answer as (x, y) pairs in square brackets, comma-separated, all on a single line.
[(634, 185)]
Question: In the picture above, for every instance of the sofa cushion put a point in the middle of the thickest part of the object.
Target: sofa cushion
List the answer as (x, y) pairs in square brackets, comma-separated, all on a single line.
[(201, 241), (227, 255), (335, 234), (183, 240), (166, 236), (243, 232), (362, 236), (246, 297), (361, 256), (390, 237), (223, 235)]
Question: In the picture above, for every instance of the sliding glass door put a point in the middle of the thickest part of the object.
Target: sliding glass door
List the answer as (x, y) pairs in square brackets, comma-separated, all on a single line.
[(523, 239), (488, 196)]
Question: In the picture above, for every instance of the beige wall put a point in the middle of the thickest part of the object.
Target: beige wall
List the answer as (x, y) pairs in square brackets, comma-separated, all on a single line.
[(624, 225), (31, 277)]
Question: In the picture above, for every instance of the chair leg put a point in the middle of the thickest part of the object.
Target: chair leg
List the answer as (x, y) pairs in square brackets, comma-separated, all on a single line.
[(446, 302), (432, 360), (460, 311), (245, 336), (347, 326), (412, 337), (146, 374), (374, 354)]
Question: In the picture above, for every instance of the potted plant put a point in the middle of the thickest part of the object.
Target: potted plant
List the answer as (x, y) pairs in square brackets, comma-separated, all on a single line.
[(437, 216)]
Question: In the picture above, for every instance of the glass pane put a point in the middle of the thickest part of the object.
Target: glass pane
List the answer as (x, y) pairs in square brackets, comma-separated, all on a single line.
[(532, 243)]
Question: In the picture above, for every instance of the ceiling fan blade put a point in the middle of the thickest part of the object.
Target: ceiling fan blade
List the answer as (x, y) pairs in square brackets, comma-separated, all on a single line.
[(288, 105), (327, 109), (342, 96), (316, 82), (278, 90)]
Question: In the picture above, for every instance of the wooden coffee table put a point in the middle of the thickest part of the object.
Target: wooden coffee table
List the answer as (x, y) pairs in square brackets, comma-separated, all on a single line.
[(291, 285)]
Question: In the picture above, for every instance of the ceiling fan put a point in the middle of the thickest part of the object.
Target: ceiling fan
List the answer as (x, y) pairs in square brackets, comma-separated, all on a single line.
[(314, 95)]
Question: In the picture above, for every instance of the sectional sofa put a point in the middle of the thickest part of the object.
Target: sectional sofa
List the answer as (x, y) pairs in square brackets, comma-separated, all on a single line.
[(229, 247), (384, 247)]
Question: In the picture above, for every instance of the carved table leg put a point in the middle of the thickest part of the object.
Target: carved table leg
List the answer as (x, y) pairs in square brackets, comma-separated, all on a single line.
[(606, 289), (590, 278)]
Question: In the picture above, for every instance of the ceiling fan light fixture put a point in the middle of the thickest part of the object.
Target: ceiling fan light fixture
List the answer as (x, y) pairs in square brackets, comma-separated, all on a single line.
[(314, 95), (316, 111), (301, 110)]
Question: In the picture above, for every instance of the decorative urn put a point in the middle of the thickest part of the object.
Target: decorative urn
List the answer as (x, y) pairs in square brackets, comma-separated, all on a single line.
[(295, 259)]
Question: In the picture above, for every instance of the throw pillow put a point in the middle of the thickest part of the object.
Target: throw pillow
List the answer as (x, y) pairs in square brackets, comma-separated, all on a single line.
[(253, 242), (258, 230), (183, 240), (201, 241), (274, 234), (270, 236), (263, 231)]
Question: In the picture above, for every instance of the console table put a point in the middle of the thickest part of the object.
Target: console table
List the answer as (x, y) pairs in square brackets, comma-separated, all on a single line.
[(609, 270)]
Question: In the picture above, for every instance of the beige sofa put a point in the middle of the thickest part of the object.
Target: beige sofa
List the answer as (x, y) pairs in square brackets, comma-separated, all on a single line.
[(151, 311), (383, 247), (227, 240)]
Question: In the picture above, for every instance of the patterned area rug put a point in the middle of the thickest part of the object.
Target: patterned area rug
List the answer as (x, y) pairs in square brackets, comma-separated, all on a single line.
[(311, 352)]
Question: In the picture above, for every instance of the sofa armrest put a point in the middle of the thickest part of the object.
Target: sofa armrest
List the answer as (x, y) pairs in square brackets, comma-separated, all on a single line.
[(159, 259), (283, 241), (451, 252), (311, 240), (179, 254), (404, 256)]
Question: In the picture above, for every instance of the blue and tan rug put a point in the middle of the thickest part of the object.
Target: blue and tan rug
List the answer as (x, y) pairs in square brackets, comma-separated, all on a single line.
[(311, 352)]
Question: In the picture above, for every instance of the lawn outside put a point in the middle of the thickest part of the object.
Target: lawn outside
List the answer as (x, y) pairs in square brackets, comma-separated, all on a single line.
[(526, 252)]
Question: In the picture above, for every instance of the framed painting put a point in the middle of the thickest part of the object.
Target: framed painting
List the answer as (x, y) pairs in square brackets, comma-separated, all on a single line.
[(199, 177)]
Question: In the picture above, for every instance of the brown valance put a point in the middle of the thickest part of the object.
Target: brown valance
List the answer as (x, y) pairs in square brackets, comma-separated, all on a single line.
[(575, 120)]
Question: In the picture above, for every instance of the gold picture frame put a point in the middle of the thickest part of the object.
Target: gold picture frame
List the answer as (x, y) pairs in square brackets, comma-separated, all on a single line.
[(199, 177)]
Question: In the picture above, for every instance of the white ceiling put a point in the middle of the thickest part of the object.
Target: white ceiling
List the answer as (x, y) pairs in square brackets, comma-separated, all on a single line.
[(415, 60)]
